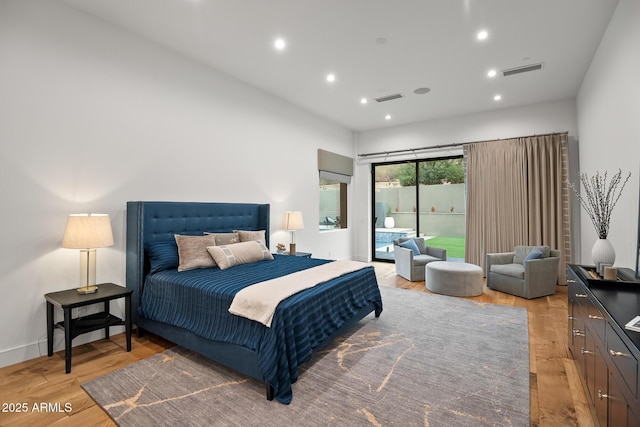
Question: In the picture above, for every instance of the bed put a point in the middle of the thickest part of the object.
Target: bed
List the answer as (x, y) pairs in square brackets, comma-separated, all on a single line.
[(191, 308)]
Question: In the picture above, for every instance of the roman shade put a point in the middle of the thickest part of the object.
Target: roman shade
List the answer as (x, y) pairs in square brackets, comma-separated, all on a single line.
[(335, 167)]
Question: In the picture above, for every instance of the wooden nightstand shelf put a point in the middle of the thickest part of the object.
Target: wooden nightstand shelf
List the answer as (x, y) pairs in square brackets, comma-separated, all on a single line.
[(73, 327)]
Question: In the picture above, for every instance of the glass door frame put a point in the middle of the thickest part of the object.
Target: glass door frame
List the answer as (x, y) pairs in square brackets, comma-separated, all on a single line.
[(373, 204), (417, 196)]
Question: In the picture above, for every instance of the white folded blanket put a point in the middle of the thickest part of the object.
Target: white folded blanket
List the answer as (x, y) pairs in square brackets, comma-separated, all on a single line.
[(258, 302)]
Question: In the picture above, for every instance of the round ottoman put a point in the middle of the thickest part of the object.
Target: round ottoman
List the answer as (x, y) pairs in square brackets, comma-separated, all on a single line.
[(457, 279)]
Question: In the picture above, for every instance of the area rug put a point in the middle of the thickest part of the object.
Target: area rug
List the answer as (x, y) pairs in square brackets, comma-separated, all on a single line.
[(429, 360)]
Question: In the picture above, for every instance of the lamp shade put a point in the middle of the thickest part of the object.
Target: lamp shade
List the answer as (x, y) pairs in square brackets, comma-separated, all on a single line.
[(292, 221), (87, 231)]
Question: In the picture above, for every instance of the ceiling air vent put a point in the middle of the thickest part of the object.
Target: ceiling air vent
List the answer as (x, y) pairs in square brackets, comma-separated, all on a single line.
[(390, 97), (525, 69)]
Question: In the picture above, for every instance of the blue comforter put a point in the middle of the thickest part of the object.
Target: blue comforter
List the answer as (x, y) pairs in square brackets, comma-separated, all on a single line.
[(198, 300)]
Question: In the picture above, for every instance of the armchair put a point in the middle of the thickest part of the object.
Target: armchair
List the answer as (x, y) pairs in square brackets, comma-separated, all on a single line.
[(409, 264), (528, 272)]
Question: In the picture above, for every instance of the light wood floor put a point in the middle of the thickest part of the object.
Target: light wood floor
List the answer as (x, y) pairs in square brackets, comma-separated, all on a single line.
[(557, 397)]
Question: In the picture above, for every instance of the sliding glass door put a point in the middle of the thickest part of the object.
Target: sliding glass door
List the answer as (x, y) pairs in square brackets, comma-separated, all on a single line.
[(395, 205), (419, 198)]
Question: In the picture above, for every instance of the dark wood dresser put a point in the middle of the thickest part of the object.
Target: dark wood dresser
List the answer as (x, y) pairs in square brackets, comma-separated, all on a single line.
[(606, 354)]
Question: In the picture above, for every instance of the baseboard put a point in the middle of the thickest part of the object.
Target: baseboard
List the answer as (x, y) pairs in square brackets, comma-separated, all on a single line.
[(38, 349)]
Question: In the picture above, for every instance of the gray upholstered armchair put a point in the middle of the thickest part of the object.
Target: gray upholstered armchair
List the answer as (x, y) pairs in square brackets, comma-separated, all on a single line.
[(409, 264), (528, 272)]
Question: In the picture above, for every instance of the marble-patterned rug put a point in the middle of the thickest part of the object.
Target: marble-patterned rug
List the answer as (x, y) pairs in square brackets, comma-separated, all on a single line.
[(429, 360)]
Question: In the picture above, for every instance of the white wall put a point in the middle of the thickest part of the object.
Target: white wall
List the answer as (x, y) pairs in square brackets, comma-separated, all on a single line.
[(549, 117), (609, 123), (92, 116)]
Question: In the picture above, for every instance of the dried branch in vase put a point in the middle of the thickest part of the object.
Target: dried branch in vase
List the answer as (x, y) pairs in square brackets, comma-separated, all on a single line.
[(600, 197)]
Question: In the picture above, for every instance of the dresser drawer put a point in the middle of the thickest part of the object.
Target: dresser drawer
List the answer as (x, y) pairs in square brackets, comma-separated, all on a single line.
[(593, 318), (577, 295), (575, 287), (623, 360)]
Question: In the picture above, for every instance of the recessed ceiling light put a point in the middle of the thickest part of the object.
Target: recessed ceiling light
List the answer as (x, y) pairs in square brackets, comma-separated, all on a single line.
[(279, 44), (492, 73), (387, 117), (482, 35), (422, 90), (364, 101), (497, 97), (331, 77)]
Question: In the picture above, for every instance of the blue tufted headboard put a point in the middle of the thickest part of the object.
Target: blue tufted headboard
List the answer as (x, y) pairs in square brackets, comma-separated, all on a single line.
[(157, 221)]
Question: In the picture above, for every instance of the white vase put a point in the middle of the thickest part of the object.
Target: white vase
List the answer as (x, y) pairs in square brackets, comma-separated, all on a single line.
[(389, 222), (603, 253)]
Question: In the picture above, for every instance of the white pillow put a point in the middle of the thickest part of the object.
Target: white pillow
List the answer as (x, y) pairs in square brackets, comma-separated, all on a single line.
[(227, 256)]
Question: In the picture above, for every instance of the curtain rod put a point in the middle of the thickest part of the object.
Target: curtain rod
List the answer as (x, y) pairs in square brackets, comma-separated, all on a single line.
[(456, 144)]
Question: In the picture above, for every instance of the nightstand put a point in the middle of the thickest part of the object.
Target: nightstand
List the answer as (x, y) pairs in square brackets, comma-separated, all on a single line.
[(302, 254), (70, 299)]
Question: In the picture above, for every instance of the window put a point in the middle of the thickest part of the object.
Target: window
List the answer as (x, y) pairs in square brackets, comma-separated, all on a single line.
[(333, 204), (335, 174)]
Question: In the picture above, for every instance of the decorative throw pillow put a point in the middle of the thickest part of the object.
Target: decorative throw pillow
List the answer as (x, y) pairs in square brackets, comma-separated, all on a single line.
[(535, 253), (411, 244), (224, 238), (520, 252), (247, 236), (162, 255), (227, 256), (192, 251)]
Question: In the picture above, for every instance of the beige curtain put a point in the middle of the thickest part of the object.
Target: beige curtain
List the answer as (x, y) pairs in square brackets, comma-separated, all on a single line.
[(517, 195)]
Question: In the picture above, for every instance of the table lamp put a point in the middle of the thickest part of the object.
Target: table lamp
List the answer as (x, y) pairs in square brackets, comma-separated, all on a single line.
[(87, 232), (292, 221)]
